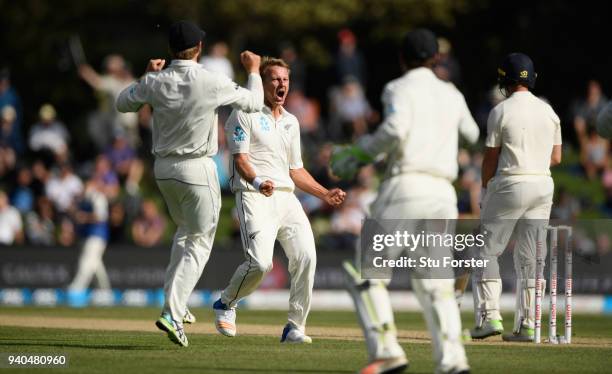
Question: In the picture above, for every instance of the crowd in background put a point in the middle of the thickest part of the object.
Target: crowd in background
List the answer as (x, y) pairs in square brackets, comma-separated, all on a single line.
[(42, 180)]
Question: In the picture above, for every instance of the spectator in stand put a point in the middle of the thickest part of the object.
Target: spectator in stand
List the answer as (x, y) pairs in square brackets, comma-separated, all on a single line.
[(346, 221), (585, 111), (349, 61), (350, 111), (22, 196), (40, 177), (106, 177), (117, 223), (594, 153), (40, 228), (566, 207), (148, 228), (296, 66), (145, 131), (63, 188), (10, 133), (447, 68), (307, 111), (606, 181), (9, 97), (49, 135), (216, 60), (126, 164), (8, 141), (11, 227), (103, 124)]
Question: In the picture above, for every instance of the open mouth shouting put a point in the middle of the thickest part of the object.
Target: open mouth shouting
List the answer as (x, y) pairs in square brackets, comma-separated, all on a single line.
[(280, 95)]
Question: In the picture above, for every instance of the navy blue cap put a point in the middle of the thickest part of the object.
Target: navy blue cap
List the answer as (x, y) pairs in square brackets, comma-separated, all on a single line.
[(183, 35), (419, 45), (517, 68)]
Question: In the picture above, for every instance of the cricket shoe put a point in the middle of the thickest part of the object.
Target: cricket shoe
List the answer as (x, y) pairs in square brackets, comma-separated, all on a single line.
[(525, 334), (293, 335), (189, 317), (490, 327), (463, 369), (386, 366), (174, 330), (225, 319)]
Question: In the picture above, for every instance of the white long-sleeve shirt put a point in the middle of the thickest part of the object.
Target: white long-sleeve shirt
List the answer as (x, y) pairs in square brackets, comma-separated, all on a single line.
[(423, 119)]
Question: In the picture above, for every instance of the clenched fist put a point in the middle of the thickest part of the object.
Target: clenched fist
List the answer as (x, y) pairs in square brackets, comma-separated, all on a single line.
[(155, 65), (267, 188), (250, 61), (335, 197)]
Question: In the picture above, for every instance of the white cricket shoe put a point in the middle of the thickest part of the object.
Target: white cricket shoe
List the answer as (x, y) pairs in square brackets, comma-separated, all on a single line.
[(189, 317), (174, 330), (293, 335), (225, 319)]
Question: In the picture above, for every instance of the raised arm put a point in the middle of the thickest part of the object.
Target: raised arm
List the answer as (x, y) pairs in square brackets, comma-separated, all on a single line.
[(133, 97), (249, 99)]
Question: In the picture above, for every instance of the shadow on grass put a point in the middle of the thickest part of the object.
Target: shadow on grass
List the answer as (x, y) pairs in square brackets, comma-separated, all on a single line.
[(267, 370), (4, 343)]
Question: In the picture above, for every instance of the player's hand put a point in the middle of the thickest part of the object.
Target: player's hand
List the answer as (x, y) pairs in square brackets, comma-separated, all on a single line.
[(250, 61), (267, 188), (155, 65), (335, 197)]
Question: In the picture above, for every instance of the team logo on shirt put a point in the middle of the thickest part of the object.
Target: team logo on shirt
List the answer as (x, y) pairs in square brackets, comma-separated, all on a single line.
[(239, 135), (264, 124), (287, 127)]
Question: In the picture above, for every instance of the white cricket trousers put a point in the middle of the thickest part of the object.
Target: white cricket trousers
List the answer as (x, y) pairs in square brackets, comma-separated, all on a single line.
[(418, 196), (262, 221), (90, 265), (518, 205), (195, 211)]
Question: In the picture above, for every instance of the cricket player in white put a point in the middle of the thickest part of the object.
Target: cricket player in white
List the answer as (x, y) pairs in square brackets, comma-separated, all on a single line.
[(267, 166), (423, 119), (185, 99), (523, 142)]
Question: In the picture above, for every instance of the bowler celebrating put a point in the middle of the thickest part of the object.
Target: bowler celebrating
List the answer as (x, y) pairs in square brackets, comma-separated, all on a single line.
[(267, 167), (523, 142), (185, 99)]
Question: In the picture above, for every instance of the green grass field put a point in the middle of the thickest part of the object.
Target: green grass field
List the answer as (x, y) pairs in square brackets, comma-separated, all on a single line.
[(94, 347)]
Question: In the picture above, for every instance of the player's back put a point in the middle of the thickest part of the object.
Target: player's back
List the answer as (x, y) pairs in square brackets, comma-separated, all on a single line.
[(526, 128), (435, 114), (184, 105)]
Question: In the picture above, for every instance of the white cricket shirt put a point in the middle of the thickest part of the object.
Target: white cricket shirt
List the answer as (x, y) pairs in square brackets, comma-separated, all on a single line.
[(185, 98), (423, 119), (273, 146), (526, 128)]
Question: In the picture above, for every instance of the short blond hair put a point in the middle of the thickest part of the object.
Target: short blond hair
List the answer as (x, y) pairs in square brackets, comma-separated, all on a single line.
[(268, 62), (186, 54)]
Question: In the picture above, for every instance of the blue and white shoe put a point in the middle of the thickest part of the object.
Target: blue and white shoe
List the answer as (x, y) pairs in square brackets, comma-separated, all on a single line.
[(189, 317), (175, 330), (225, 319), (295, 336)]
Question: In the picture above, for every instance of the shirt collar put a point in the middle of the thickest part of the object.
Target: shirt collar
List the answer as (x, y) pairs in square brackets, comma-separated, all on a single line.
[(183, 63), (420, 72), (267, 111)]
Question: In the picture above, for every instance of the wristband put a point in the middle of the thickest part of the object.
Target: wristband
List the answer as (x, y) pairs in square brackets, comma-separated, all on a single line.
[(257, 183)]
